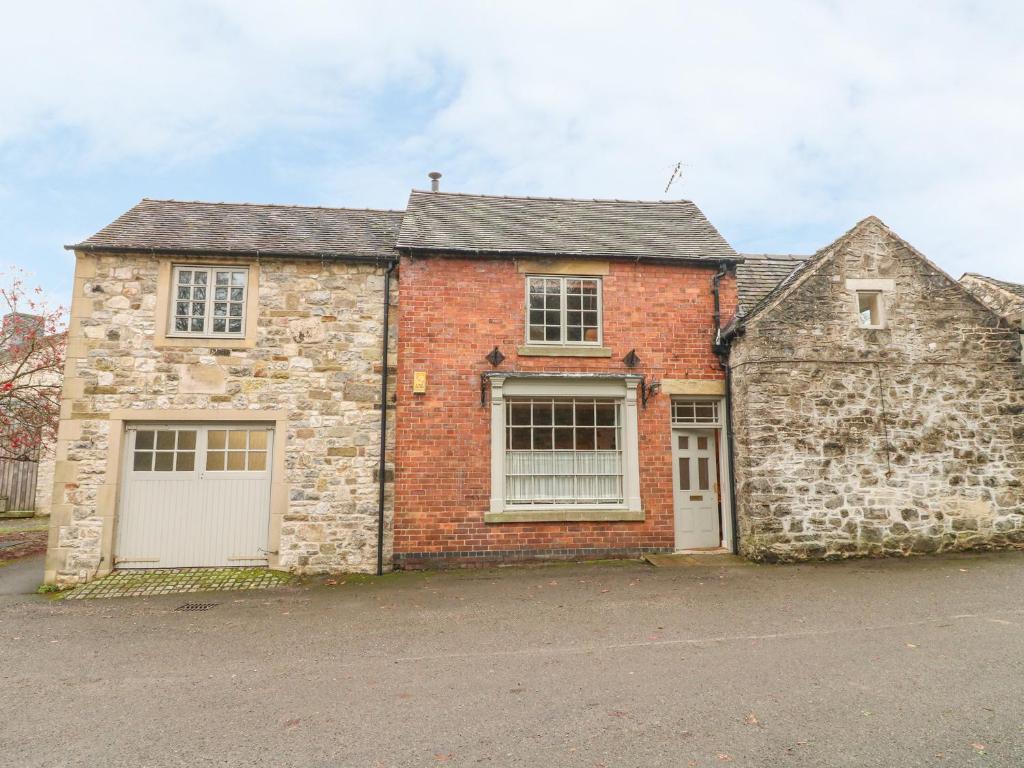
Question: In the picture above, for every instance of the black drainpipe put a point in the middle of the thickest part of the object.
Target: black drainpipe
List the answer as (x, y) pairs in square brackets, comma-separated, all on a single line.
[(381, 471), (721, 349)]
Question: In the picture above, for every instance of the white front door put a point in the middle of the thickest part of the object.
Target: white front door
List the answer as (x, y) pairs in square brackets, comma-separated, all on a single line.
[(194, 495), (695, 483)]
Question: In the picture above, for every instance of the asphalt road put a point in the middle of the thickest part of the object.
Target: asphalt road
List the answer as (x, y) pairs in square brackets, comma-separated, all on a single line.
[(914, 662)]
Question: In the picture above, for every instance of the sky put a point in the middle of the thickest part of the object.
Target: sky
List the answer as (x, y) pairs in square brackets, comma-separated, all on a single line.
[(792, 120)]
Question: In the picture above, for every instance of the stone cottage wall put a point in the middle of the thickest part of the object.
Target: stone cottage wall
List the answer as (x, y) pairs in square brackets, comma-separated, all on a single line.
[(871, 442), (1007, 304), (317, 356)]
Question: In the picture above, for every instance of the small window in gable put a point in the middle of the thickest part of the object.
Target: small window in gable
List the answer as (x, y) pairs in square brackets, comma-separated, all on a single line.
[(869, 309)]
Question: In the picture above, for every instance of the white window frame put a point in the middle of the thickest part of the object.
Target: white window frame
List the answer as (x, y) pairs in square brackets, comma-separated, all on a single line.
[(208, 317), (623, 389), (681, 420), (563, 307)]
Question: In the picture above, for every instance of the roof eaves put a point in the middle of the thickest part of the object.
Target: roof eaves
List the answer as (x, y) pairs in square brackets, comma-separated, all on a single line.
[(258, 253), (506, 253)]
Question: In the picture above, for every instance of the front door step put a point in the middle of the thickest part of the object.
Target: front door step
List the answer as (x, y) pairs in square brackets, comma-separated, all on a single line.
[(711, 559), (175, 581)]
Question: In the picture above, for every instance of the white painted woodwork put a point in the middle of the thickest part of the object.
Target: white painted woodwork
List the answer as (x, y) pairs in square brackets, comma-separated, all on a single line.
[(182, 519), (695, 489)]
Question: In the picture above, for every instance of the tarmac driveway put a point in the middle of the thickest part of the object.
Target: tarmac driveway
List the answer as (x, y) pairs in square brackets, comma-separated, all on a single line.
[(914, 662)]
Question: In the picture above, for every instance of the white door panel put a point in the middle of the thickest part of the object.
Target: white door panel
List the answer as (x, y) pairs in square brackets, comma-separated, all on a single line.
[(695, 489), (179, 505)]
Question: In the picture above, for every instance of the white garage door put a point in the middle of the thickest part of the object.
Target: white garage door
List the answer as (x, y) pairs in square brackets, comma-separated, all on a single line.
[(194, 495)]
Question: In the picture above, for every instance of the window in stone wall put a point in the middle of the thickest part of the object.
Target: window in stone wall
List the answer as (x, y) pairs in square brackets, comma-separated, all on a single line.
[(869, 309), (208, 301)]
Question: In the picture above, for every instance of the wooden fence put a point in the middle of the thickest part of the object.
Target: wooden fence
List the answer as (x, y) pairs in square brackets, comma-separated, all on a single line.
[(18, 483)]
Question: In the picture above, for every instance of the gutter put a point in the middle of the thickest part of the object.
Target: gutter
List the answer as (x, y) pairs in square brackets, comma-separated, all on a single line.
[(382, 467), (721, 349), (497, 253)]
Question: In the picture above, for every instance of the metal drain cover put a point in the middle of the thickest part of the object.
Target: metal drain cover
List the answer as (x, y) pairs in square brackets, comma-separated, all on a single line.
[(190, 606)]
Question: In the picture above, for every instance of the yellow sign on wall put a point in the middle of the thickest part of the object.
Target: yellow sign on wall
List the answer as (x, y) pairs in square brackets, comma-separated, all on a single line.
[(419, 382)]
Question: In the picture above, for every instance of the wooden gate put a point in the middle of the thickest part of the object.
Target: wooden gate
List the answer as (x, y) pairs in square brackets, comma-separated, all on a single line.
[(18, 483)]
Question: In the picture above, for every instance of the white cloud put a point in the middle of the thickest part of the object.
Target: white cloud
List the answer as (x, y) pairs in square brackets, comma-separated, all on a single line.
[(794, 119)]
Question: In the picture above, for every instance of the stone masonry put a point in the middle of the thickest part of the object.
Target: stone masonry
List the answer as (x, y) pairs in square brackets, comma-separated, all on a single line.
[(852, 441), (317, 356)]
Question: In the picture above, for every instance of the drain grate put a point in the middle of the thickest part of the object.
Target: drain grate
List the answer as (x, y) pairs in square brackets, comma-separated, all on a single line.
[(190, 606)]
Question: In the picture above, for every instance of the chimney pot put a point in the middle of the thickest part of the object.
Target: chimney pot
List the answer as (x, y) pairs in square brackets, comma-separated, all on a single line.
[(435, 183)]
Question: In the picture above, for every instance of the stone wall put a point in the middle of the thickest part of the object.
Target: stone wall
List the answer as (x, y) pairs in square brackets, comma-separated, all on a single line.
[(316, 356), (875, 442), (1006, 303)]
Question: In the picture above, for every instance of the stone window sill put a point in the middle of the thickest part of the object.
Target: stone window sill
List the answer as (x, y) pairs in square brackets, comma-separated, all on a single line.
[(563, 515), (542, 350)]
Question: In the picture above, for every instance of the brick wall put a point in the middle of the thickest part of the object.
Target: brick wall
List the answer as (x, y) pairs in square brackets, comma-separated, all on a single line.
[(453, 312)]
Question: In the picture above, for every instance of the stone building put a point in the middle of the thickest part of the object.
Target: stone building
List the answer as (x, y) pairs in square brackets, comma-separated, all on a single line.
[(1005, 298), (878, 408), (558, 394), (221, 395)]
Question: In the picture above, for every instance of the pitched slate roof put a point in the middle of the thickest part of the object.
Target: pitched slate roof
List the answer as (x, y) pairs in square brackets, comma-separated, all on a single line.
[(446, 221), (196, 227), (1015, 288), (760, 273)]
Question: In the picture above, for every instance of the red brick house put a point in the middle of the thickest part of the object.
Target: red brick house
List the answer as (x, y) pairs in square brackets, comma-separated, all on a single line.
[(558, 391)]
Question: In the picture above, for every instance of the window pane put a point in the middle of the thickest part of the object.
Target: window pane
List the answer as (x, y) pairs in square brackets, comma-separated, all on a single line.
[(563, 413), (574, 334), (199, 294), (184, 293), (585, 413), (220, 326), (164, 440), (236, 461), (181, 324), (186, 440), (143, 439), (552, 333), (234, 326), (684, 474), (215, 438), (585, 439), (605, 414), (181, 308), (542, 439), (257, 461), (563, 439), (520, 438), (186, 462), (236, 294), (235, 310), (703, 483), (607, 438), (143, 461), (164, 461), (537, 333), (541, 413), (236, 438), (258, 439), (220, 309), (184, 277), (238, 278), (215, 461), (199, 278), (197, 324), (519, 413), (222, 278)]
